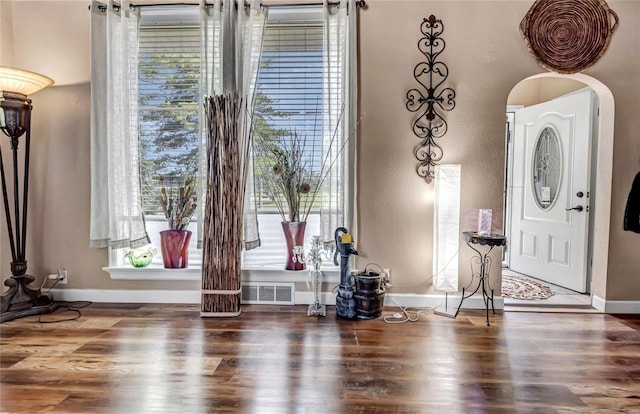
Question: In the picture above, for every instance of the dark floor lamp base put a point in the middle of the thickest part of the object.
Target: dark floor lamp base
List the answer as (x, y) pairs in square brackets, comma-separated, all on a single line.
[(21, 300), (35, 310)]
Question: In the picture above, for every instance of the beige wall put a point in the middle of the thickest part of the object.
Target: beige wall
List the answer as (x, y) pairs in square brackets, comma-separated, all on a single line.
[(6, 34), (535, 91), (6, 57), (52, 37), (485, 60), (486, 57)]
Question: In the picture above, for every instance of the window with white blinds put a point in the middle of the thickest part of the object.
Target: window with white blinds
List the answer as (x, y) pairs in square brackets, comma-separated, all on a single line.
[(288, 97), (290, 76), (168, 97), (289, 85), (168, 82), (289, 92)]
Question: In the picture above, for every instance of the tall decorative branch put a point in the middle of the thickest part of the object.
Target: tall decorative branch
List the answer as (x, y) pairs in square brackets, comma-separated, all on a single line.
[(227, 168), (430, 74)]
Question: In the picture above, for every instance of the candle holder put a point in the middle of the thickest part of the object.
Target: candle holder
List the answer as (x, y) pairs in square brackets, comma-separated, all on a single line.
[(314, 259)]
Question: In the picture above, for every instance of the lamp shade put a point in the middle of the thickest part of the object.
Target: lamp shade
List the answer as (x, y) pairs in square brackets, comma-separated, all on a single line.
[(446, 227), (21, 81)]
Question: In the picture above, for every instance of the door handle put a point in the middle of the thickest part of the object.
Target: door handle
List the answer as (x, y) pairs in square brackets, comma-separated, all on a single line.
[(577, 208)]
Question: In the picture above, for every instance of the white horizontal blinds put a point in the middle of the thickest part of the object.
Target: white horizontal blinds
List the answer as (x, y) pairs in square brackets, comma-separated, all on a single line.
[(289, 89), (169, 76)]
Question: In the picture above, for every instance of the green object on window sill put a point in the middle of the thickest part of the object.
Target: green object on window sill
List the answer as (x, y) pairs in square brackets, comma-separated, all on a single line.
[(141, 257)]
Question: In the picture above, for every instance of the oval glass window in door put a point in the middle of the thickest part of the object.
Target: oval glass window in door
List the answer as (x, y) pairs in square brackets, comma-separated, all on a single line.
[(547, 167)]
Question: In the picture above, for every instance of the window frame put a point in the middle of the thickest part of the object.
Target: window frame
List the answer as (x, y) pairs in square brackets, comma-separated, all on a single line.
[(118, 266)]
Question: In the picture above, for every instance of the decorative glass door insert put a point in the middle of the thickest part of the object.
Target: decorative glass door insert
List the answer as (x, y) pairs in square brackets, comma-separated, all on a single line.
[(547, 167)]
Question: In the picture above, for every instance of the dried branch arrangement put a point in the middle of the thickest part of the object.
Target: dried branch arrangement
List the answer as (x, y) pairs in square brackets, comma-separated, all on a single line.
[(227, 158), (178, 204), (290, 179)]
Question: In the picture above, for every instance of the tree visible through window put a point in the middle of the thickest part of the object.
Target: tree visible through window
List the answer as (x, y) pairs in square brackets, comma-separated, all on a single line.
[(288, 102), (169, 75), (290, 80)]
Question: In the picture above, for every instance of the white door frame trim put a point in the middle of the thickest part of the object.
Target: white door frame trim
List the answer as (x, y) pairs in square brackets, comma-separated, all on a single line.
[(604, 165)]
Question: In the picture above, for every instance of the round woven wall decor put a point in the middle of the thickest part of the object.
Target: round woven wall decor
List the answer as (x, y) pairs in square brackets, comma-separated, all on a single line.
[(568, 36)]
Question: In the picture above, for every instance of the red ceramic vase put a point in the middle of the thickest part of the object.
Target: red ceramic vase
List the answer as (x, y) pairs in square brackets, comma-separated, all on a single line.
[(294, 236), (175, 248)]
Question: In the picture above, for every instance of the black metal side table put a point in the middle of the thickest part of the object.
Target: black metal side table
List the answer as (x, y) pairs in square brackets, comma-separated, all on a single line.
[(484, 261)]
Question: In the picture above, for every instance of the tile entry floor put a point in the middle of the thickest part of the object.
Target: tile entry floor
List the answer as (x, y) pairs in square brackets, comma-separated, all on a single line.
[(562, 298)]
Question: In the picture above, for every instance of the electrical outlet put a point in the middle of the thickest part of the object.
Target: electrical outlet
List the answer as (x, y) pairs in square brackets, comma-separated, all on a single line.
[(62, 276), (387, 275)]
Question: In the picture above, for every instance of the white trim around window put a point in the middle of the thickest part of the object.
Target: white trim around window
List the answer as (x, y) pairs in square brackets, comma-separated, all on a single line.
[(265, 264), (156, 272)]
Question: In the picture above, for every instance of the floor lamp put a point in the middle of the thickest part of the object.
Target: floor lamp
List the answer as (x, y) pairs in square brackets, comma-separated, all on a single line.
[(20, 299), (446, 234)]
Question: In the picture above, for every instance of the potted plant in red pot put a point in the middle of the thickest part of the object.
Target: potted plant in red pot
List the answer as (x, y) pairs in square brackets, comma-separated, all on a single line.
[(178, 205)]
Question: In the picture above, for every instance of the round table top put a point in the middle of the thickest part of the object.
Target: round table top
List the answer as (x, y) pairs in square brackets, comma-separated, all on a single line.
[(485, 239)]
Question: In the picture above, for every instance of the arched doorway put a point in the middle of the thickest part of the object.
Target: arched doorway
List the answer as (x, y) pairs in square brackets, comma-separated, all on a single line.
[(602, 164)]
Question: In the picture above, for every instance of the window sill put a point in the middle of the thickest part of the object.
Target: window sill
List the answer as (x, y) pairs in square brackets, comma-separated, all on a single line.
[(154, 272)]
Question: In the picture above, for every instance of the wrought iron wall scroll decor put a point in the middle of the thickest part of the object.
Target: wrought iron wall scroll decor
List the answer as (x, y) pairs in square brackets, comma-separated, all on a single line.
[(431, 74)]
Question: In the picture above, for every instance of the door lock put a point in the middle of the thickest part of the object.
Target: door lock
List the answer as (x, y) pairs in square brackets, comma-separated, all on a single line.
[(577, 208), (580, 194)]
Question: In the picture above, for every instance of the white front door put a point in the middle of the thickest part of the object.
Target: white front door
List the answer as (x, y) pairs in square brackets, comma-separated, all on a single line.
[(550, 190)]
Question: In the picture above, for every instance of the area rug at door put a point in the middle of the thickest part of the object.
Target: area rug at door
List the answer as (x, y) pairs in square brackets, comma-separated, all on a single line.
[(516, 287)]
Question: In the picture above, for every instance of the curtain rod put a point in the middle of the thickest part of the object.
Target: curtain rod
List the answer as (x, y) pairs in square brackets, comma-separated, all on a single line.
[(359, 3)]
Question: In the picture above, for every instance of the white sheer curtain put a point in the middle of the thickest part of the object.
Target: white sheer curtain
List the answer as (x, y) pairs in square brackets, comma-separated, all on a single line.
[(210, 85), (231, 48), (339, 117), (253, 31), (116, 202)]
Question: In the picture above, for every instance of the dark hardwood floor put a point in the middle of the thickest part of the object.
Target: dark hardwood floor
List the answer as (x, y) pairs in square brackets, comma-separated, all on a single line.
[(166, 359)]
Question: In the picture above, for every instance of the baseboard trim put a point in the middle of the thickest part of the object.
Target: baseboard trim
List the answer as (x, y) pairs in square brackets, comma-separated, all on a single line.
[(432, 301), (127, 296), (300, 298), (616, 306), (306, 298), (252, 274), (598, 303)]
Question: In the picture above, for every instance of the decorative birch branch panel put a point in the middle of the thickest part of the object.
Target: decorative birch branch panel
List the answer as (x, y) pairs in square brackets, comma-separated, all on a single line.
[(227, 155)]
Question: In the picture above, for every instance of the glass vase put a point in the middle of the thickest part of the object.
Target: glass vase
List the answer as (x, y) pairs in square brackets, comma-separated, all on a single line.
[(175, 248), (294, 237), (141, 257)]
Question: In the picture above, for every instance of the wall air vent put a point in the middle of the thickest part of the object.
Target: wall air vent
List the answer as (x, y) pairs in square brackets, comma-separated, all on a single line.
[(266, 293)]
